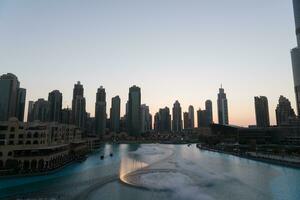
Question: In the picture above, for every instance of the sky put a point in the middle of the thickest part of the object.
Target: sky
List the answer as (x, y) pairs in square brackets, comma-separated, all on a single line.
[(173, 49)]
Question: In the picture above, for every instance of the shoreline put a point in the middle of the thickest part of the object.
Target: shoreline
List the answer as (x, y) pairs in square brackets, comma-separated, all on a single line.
[(284, 163)]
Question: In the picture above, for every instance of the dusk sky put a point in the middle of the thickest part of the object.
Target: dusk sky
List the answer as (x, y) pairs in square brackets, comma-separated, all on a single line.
[(173, 49)]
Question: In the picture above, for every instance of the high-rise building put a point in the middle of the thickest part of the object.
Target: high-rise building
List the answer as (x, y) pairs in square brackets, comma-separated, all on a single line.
[(262, 111), (55, 103), (30, 112), (222, 107), (12, 98), (177, 118), (78, 106), (295, 53), (41, 110), (191, 117), (21, 101), (115, 114), (202, 118), (100, 112), (134, 111), (162, 120), (284, 111), (186, 123), (209, 112), (145, 119)]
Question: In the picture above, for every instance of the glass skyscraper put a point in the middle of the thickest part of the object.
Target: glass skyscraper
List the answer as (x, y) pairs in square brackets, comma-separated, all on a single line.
[(295, 53)]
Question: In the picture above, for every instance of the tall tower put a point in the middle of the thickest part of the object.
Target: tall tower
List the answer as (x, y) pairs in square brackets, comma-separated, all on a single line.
[(12, 98), (55, 103), (134, 111), (100, 111), (78, 106), (222, 107), (177, 117), (209, 112), (191, 118), (295, 53), (115, 114), (262, 111)]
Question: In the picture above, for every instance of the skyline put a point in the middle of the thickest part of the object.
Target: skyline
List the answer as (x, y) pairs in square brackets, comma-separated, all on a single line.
[(156, 57)]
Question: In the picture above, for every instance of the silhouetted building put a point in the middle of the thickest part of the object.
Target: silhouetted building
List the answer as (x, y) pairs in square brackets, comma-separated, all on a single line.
[(262, 111), (209, 112), (202, 118), (41, 110), (284, 111), (145, 119), (55, 103), (12, 98), (115, 114), (78, 106), (21, 101), (186, 123), (66, 116), (222, 107), (134, 111), (30, 111), (162, 121), (191, 117), (295, 53), (177, 117), (100, 112)]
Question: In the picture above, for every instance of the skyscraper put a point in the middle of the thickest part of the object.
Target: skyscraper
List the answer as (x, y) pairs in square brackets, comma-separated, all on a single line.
[(262, 111), (41, 110), (78, 106), (163, 120), (209, 112), (55, 103), (222, 107), (295, 53), (177, 117), (145, 119), (12, 98), (191, 117), (186, 123), (30, 111), (284, 111), (202, 118), (115, 114), (66, 116), (100, 112), (21, 101), (134, 111)]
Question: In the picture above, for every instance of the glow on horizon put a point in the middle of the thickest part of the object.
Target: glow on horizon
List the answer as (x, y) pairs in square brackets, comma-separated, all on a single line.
[(172, 49)]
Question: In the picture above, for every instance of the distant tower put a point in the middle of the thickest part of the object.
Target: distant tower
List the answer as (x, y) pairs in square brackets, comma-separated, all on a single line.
[(134, 111), (222, 107), (191, 117), (41, 110), (30, 111), (202, 118), (78, 106), (55, 102), (115, 114), (284, 111), (209, 112), (100, 112), (295, 53), (145, 119), (177, 118), (186, 123), (262, 111), (12, 98)]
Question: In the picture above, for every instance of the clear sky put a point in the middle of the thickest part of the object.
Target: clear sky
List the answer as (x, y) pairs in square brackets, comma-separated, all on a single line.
[(172, 49)]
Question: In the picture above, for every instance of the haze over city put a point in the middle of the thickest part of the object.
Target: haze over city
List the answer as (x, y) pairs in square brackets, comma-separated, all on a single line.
[(173, 50)]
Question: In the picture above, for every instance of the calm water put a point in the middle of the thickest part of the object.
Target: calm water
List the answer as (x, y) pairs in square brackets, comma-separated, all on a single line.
[(172, 172)]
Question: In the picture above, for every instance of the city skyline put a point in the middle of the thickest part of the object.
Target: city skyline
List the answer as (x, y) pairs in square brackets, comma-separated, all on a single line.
[(148, 69)]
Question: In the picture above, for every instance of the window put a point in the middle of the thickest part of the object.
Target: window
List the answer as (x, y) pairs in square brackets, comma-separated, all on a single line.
[(3, 128), (28, 135), (35, 142), (1, 154), (21, 136), (11, 142), (12, 129), (28, 142), (11, 136), (9, 153), (20, 142), (2, 136)]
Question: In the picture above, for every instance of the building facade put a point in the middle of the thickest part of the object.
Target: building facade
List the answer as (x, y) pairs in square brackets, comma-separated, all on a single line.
[(55, 106), (100, 112), (177, 118), (262, 111), (284, 111), (134, 111), (115, 114), (222, 107)]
